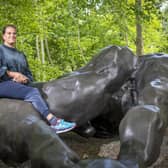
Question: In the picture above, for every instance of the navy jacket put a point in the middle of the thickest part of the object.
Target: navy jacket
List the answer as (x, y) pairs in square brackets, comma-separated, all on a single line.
[(13, 60)]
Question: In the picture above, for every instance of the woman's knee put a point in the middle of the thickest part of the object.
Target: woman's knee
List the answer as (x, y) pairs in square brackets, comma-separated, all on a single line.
[(35, 91)]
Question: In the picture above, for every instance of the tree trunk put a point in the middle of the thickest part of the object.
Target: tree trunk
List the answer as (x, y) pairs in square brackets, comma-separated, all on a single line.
[(37, 47), (139, 39), (42, 51), (43, 75), (48, 52)]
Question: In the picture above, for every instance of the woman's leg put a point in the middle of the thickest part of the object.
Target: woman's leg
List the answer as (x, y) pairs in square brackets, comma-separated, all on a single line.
[(10, 89), (14, 90)]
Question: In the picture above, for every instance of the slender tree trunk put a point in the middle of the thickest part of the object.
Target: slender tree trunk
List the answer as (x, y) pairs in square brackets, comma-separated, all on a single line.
[(42, 57), (42, 50), (48, 52), (139, 39), (38, 54), (37, 47)]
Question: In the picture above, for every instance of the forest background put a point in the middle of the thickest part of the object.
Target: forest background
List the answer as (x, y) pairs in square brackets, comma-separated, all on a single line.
[(59, 36)]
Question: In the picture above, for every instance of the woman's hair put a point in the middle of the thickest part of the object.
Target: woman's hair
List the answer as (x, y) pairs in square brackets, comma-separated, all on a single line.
[(5, 27)]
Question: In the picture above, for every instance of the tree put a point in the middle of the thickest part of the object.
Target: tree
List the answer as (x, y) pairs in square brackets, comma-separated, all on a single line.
[(139, 38), (60, 36)]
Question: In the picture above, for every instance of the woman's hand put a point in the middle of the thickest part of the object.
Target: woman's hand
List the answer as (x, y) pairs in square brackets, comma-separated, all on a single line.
[(18, 77)]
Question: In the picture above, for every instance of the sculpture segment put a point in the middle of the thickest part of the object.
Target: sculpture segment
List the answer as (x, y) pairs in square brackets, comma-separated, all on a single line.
[(84, 94)]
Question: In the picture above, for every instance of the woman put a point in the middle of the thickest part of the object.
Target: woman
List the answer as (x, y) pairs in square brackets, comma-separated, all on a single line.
[(15, 76)]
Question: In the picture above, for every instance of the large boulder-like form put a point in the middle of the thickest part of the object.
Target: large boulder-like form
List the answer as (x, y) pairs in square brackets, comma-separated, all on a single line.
[(25, 136), (144, 103), (84, 94), (143, 127)]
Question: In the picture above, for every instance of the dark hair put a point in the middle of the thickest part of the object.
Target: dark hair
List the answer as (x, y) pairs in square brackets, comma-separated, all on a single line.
[(5, 27)]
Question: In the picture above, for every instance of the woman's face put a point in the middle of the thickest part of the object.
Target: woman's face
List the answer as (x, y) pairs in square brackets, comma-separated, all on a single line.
[(9, 37)]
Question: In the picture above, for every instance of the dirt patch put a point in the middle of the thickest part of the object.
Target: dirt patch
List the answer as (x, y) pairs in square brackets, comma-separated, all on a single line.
[(91, 147)]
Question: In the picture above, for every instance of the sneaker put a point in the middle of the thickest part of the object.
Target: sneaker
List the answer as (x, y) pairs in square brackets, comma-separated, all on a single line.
[(63, 126)]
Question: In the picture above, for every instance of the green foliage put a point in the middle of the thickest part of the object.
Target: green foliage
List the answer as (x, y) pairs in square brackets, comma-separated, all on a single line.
[(76, 30), (51, 72)]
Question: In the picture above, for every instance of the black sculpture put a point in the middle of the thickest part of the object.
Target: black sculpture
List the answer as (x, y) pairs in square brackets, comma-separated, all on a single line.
[(110, 88), (82, 95)]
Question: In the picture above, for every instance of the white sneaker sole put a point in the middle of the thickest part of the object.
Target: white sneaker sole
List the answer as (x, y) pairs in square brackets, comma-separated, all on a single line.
[(65, 130)]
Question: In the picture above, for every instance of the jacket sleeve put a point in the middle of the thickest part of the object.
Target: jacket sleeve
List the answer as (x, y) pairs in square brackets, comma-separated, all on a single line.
[(28, 73), (3, 67)]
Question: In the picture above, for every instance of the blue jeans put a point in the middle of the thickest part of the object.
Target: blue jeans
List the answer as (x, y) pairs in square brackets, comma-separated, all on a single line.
[(14, 90)]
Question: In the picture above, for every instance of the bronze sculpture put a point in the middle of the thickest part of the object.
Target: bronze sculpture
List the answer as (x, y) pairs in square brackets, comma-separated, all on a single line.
[(113, 77)]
